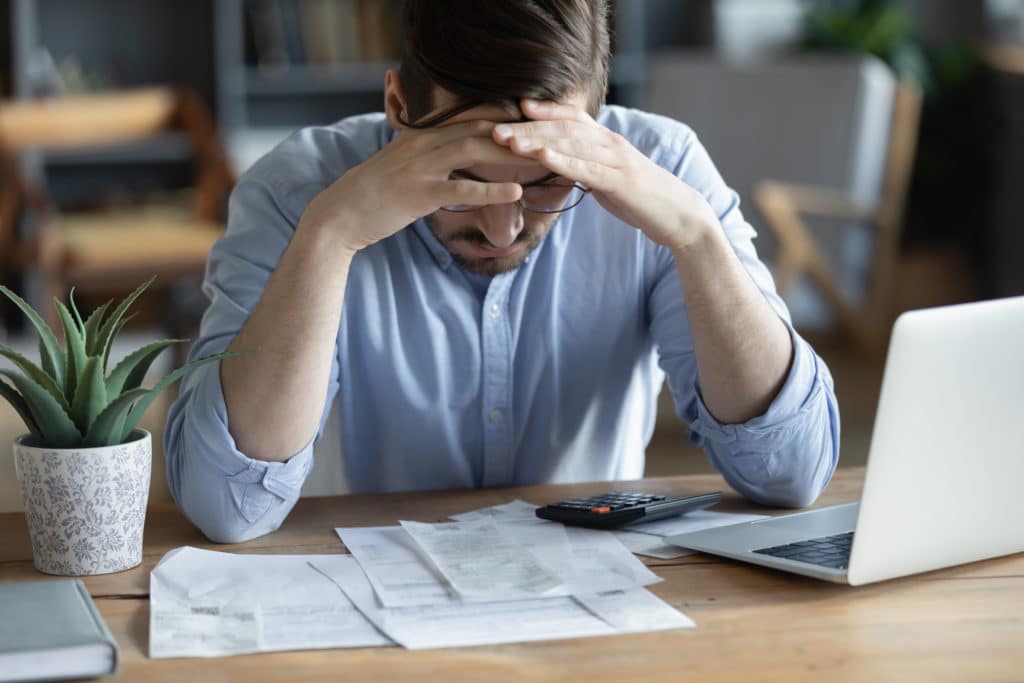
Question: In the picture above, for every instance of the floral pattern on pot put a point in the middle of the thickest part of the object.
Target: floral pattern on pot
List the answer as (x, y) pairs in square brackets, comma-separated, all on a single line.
[(86, 507)]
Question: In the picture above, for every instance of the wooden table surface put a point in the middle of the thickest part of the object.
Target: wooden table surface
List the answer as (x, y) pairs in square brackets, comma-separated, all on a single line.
[(958, 624)]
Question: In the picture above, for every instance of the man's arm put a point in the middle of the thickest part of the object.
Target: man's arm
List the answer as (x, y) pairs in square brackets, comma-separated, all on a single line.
[(743, 349), (239, 438), (754, 393)]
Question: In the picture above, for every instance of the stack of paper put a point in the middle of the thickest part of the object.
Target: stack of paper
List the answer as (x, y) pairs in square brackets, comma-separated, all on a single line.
[(496, 575), (209, 604)]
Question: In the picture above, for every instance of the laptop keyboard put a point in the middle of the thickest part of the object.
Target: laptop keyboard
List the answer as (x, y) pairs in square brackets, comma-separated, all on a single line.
[(827, 551)]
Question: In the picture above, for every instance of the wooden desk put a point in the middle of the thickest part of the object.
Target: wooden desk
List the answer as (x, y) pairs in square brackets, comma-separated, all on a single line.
[(959, 624)]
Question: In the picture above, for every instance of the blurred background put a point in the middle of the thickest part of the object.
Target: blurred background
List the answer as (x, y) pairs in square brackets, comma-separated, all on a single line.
[(877, 147)]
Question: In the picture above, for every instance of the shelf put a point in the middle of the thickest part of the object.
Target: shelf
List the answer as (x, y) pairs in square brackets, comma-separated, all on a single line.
[(166, 147), (317, 79)]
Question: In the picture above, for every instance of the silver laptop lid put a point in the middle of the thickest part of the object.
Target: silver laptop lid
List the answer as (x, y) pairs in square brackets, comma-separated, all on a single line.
[(945, 478)]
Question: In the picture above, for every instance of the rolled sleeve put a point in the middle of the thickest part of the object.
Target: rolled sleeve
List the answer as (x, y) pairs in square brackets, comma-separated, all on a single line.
[(228, 495), (787, 455)]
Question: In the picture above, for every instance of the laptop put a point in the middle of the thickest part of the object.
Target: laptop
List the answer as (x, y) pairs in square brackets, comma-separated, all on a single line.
[(945, 475)]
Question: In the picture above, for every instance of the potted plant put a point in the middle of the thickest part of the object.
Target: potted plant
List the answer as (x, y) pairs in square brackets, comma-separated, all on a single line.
[(84, 467)]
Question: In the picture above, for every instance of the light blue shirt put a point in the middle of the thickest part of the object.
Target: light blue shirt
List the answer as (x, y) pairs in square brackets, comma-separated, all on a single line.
[(548, 373)]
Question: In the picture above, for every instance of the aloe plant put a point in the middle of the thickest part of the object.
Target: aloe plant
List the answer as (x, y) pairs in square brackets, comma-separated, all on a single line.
[(70, 400)]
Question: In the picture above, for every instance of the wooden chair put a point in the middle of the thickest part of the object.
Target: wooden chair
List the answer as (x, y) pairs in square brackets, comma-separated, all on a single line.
[(784, 206), (108, 251)]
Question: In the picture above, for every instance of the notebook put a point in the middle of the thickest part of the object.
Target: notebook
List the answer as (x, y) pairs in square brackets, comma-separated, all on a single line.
[(51, 630)]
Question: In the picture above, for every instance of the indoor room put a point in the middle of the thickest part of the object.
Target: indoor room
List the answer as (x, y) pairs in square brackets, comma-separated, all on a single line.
[(413, 296)]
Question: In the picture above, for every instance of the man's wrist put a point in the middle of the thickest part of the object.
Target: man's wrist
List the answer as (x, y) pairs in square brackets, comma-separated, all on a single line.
[(320, 237), (700, 236)]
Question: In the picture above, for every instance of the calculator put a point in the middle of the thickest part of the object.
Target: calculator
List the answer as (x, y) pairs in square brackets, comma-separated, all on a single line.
[(614, 509)]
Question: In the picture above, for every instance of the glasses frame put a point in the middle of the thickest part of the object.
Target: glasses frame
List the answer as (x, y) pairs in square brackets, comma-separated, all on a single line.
[(469, 208)]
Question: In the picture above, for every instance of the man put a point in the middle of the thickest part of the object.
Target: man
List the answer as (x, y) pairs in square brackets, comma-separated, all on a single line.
[(492, 280)]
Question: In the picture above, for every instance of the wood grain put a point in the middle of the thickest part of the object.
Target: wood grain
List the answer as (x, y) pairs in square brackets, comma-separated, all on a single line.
[(957, 624)]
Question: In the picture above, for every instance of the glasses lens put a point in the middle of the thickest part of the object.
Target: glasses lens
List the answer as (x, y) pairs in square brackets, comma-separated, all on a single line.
[(551, 197)]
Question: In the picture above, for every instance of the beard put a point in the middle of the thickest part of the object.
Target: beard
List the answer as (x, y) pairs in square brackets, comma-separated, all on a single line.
[(488, 266)]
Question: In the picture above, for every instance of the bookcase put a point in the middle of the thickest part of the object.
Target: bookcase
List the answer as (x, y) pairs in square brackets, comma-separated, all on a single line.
[(283, 63), (265, 67)]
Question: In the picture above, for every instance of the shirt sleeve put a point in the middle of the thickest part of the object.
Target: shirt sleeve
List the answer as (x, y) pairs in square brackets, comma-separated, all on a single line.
[(228, 495), (786, 456)]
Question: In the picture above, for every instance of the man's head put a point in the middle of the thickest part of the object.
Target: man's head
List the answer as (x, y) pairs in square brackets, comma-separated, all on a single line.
[(477, 59)]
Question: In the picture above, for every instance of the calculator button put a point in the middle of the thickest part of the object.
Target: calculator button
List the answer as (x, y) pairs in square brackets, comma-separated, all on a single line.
[(601, 510)]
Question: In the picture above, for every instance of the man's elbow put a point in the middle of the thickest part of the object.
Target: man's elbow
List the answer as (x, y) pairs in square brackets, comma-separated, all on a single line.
[(792, 494), (219, 531), (800, 487)]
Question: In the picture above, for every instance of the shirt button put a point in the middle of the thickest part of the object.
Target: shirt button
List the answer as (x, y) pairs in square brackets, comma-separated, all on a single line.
[(496, 416), (495, 310)]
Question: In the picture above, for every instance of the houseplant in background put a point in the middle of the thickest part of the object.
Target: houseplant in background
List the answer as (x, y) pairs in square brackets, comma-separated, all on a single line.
[(84, 467)]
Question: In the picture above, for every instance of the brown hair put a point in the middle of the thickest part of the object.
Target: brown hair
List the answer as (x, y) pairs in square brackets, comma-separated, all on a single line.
[(500, 51)]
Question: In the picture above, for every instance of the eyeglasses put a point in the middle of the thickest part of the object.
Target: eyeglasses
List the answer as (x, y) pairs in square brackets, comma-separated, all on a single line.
[(540, 197)]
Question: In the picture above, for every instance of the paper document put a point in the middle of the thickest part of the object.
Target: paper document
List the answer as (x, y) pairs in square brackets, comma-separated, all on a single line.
[(691, 521), (479, 561), (601, 564), (460, 623), (604, 564), (394, 567), (592, 561), (210, 604), (635, 611), (516, 509)]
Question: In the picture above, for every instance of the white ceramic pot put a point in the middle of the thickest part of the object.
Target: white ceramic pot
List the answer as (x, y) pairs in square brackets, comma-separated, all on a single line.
[(86, 507)]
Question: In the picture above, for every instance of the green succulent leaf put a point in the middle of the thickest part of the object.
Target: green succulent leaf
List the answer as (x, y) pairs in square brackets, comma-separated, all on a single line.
[(92, 328), (75, 343), (110, 327), (56, 428), (110, 341), (108, 426), (47, 362), (91, 395), (131, 371), (37, 375), (21, 406), (46, 337), (74, 309), (148, 395)]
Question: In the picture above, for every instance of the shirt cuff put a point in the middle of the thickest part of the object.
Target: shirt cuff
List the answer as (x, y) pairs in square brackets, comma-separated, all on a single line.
[(254, 484), (770, 430)]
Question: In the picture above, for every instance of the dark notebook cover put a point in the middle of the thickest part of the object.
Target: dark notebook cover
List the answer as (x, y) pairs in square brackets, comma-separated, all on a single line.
[(51, 630)]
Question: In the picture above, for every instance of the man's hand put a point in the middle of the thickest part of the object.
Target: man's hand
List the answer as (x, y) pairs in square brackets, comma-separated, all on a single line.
[(410, 178), (566, 140)]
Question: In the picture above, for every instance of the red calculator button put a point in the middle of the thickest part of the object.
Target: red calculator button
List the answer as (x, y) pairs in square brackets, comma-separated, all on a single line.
[(601, 510)]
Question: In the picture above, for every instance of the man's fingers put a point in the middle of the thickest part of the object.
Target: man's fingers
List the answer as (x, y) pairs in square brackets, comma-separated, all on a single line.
[(557, 128), (429, 139), (546, 110), (594, 175), (469, 151), (474, 193), (580, 148)]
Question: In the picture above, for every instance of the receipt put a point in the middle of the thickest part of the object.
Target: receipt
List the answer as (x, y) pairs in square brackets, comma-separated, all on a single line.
[(210, 604), (479, 561)]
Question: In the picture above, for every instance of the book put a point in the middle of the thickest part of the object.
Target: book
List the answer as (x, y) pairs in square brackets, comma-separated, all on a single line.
[(51, 630), (291, 23), (268, 35)]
